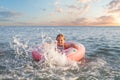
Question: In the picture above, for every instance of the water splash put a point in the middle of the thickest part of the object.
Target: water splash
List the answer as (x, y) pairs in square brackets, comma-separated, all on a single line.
[(52, 57), (55, 64), (19, 46)]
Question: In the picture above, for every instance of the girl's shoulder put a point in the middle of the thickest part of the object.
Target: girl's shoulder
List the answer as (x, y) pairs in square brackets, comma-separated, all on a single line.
[(67, 45)]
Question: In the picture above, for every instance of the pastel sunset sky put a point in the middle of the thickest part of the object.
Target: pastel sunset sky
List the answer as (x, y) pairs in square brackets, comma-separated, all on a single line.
[(60, 12)]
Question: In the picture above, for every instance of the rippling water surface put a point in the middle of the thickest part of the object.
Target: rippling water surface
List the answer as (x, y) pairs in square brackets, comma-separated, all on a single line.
[(102, 53)]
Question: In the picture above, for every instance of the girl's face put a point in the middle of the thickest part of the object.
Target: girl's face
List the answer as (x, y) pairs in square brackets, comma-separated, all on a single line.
[(60, 41)]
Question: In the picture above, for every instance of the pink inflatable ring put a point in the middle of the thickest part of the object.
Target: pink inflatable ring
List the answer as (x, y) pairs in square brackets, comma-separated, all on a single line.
[(71, 53), (75, 54)]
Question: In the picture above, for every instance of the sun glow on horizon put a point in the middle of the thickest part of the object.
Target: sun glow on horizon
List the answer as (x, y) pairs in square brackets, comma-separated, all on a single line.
[(118, 21)]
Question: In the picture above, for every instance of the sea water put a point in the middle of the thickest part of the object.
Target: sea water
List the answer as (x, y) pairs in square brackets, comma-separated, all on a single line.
[(102, 53)]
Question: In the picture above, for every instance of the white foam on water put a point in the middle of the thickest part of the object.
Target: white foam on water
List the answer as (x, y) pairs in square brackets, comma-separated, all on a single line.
[(52, 56), (19, 46), (54, 63)]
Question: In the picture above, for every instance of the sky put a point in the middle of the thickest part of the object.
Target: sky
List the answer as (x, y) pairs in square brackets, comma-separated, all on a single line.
[(59, 12)]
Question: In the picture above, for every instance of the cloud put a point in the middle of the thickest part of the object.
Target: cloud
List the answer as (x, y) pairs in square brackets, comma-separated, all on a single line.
[(52, 14), (114, 11), (99, 21), (108, 19), (4, 19), (1, 7), (114, 4), (59, 10), (105, 20), (44, 9), (85, 8), (78, 11), (114, 7), (85, 1), (57, 6), (56, 2), (80, 21), (8, 15), (74, 7)]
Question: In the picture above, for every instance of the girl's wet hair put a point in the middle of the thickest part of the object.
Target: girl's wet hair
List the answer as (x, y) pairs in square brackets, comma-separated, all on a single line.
[(60, 35)]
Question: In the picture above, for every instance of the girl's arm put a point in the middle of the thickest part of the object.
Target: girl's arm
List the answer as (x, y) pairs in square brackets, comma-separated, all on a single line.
[(75, 46)]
